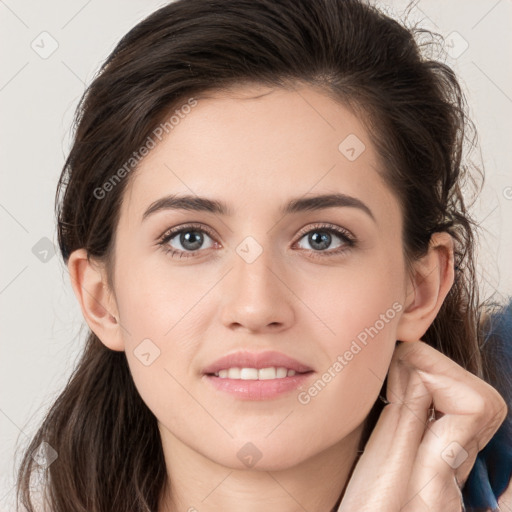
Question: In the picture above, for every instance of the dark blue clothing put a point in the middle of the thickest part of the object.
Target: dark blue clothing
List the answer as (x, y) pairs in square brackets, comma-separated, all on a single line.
[(492, 471)]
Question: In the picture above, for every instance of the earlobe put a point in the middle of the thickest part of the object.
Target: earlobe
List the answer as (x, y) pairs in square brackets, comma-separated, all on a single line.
[(98, 305), (428, 288)]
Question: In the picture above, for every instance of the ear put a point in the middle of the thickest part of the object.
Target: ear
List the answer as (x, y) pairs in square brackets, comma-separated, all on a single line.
[(99, 308), (427, 288)]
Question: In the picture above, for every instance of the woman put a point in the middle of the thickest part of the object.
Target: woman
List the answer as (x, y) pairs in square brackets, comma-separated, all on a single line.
[(263, 223)]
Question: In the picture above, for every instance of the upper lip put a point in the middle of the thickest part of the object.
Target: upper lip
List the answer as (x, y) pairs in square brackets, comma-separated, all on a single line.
[(258, 360)]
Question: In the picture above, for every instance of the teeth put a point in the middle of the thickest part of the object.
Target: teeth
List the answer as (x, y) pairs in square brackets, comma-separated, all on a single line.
[(255, 374)]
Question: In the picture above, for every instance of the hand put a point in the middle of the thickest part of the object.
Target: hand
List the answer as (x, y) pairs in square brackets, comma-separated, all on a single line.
[(413, 465)]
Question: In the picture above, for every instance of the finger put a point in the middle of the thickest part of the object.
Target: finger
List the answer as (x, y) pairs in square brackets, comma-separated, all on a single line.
[(472, 411), (459, 390), (446, 455), (380, 478)]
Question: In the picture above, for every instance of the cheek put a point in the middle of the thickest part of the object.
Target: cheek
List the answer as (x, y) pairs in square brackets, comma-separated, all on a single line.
[(155, 302), (359, 312), (159, 313), (360, 301), (358, 357)]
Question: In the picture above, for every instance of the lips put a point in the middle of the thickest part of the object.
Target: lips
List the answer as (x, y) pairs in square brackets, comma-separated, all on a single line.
[(258, 360)]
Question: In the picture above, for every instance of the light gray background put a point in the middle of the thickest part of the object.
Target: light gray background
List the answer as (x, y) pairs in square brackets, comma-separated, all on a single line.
[(41, 322)]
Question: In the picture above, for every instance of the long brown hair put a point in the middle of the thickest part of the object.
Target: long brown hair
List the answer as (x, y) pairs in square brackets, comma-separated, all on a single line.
[(109, 449)]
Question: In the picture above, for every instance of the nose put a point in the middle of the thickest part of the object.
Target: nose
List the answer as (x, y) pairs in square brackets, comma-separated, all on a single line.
[(256, 294)]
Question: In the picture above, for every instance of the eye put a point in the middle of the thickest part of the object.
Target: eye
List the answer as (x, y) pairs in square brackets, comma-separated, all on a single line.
[(190, 238), (320, 238)]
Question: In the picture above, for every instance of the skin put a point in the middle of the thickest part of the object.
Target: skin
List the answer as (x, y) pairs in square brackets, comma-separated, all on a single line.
[(256, 148)]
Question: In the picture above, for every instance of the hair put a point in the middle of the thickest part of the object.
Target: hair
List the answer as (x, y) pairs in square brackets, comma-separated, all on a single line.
[(107, 440)]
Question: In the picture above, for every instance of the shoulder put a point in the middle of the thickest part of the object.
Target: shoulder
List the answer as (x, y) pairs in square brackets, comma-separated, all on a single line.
[(505, 500), (489, 484)]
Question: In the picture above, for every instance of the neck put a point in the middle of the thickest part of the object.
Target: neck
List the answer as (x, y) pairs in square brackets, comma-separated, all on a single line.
[(195, 483)]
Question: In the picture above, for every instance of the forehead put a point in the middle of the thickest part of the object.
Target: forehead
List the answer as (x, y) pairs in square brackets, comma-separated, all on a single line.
[(255, 146)]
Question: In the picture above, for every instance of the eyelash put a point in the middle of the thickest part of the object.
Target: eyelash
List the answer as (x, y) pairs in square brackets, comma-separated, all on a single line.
[(348, 239)]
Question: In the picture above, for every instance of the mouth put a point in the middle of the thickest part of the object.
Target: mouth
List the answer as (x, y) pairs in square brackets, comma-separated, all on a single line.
[(257, 375)]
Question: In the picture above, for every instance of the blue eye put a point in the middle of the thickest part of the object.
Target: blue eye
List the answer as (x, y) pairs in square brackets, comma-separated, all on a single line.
[(189, 237), (192, 237), (321, 237)]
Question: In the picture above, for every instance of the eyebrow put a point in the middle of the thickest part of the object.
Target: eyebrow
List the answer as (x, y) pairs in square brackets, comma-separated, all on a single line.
[(300, 204)]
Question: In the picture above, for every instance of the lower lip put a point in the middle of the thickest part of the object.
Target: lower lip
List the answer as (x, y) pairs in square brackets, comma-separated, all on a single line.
[(259, 389)]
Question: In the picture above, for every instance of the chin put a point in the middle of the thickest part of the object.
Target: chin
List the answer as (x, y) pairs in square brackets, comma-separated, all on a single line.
[(263, 455)]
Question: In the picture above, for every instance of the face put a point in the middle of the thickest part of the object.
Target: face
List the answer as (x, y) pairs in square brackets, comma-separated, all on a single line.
[(323, 286)]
